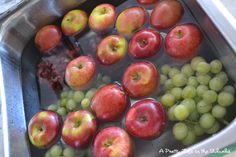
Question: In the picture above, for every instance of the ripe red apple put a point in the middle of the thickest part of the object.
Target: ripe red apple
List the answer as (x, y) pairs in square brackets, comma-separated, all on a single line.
[(112, 142), (144, 44), (102, 18), (74, 22), (44, 129), (109, 103), (47, 38), (111, 49), (182, 41), (79, 128), (131, 20), (80, 71), (146, 119), (166, 14), (147, 1), (140, 79)]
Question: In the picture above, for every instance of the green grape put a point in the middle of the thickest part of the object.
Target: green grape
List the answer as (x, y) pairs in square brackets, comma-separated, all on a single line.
[(206, 121), (195, 61), (225, 99), (69, 152), (64, 94), (81, 153), (170, 113), (201, 89), (181, 112), (179, 80), (218, 111), (216, 66), (192, 81), (165, 69), (190, 138), (177, 92), (71, 105), (216, 84), (61, 111), (194, 116), (85, 103), (163, 79), (88, 153), (168, 84), (63, 102), (203, 79), (78, 96), (70, 94), (187, 70), (203, 68), (180, 131), (229, 89), (173, 72), (189, 92), (213, 129), (47, 154), (190, 104), (56, 151), (198, 130), (90, 93), (53, 107), (168, 100), (223, 76), (106, 79), (209, 96), (203, 107)]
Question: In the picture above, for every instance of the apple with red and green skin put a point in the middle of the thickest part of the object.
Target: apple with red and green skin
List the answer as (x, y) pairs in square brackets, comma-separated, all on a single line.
[(102, 18), (131, 20), (166, 14), (183, 41), (112, 142), (80, 71), (44, 129), (79, 129), (146, 1), (48, 38), (109, 103), (74, 22), (140, 79), (146, 119), (144, 44), (111, 49)]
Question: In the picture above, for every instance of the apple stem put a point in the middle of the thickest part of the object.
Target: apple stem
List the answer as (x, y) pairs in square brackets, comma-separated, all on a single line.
[(179, 34), (143, 43), (80, 66), (108, 143), (136, 76)]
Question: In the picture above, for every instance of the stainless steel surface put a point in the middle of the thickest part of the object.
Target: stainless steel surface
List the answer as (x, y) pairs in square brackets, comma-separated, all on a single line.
[(17, 30), (7, 6)]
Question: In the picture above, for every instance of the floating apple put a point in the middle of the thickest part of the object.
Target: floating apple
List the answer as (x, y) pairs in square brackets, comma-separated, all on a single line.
[(140, 79), (80, 71), (112, 142), (47, 38), (79, 128), (145, 119), (111, 49), (44, 129), (131, 20), (147, 1), (74, 22), (102, 18), (182, 41), (166, 14), (144, 44), (109, 103)]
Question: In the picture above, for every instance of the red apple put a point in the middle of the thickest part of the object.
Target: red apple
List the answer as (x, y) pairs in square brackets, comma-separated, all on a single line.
[(80, 71), (111, 49), (102, 18), (147, 1), (131, 20), (182, 41), (74, 22), (145, 119), (109, 103), (166, 14), (144, 44), (79, 128), (44, 129), (112, 142), (140, 79), (47, 38)]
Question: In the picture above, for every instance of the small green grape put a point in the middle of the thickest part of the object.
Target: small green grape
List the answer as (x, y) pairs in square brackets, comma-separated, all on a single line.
[(181, 112), (85, 103), (201, 89), (216, 84), (214, 128), (203, 68), (61, 111), (229, 89), (90, 93), (218, 111), (170, 113), (168, 84), (163, 79), (190, 104), (168, 100), (225, 99), (64, 94), (47, 154), (190, 138), (189, 92), (203, 107), (70, 94), (106, 79), (63, 102), (187, 70), (198, 130), (56, 151), (195, 61), (179, 80), (165, 69), (53, 107), (78, 96), (71, 105), (192, 81), (180, 131), (209, 96), (206, 121), (216, 66), (177, 93), (194, 116), (203, 79), (223, 76), (173, 72), (69, 152)]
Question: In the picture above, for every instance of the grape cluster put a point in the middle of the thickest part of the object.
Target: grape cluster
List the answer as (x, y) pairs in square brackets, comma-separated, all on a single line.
[(196, 96)]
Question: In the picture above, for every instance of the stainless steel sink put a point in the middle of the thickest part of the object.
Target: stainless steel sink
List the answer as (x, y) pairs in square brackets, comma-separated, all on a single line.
[(18, 92)]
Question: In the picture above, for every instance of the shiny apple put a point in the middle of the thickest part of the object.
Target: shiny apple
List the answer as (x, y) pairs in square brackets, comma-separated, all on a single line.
[(146, 1)]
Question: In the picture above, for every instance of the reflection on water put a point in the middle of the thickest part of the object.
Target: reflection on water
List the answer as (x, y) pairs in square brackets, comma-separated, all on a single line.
[(7, 4)]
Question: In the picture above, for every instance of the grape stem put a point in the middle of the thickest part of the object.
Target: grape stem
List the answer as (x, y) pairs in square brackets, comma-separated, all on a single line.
[(223, 121)]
